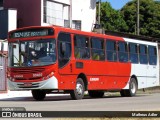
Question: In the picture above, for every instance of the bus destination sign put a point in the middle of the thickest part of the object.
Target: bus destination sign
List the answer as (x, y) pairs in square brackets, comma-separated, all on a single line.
[(31, 33)]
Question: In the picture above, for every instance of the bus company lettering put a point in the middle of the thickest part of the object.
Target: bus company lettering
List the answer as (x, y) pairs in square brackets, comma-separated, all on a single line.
[(37, 75), (94, 79), (18, 76)]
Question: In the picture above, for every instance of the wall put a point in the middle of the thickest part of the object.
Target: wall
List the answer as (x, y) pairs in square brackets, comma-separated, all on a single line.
[(84, 10), (28, 11)]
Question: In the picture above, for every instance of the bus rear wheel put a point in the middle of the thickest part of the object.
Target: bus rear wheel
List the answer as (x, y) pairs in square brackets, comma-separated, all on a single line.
[(132, 89), (78, 93), (38, 94), (96, 94)]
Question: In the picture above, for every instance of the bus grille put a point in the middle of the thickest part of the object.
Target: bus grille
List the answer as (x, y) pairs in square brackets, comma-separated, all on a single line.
[(30, 70)]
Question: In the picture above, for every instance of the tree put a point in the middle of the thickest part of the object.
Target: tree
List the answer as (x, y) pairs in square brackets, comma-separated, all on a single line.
[(149, 17), (111, 19)]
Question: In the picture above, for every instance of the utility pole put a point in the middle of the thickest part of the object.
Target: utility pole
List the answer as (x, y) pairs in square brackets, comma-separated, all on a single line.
[(99, 12), (70, 19), (138, 30)]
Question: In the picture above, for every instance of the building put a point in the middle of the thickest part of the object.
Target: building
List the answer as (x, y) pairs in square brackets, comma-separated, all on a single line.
[(78, 14)]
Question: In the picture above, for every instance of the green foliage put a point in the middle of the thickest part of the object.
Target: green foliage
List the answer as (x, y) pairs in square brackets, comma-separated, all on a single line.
[(111, 19), (149, 17), (125, 20)]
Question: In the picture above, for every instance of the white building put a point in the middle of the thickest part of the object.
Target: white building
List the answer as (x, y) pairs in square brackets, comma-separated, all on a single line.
[(78, 14)]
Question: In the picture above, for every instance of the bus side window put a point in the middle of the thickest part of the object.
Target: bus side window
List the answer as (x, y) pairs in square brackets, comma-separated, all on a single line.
[(133, 53), (143, 54), (152, 54), (97, 45), (81, 44), (122, 52), (111, 50)]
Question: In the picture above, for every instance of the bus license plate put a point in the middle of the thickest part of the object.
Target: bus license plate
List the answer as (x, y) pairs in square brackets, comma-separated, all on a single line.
[(27, 84)]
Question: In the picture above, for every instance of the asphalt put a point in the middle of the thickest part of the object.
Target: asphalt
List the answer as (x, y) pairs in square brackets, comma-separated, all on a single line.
[(11, 94)]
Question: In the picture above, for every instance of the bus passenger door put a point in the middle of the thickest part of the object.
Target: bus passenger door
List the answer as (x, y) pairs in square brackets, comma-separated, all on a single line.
[(66, 79), (152, 68), (64, 53)]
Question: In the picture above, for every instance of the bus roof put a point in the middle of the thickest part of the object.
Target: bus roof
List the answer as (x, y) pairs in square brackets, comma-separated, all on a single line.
[(108, 34)]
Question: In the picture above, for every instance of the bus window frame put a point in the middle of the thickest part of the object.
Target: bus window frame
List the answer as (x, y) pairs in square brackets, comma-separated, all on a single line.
[(97, 49), (125, 52), (137, 52), (89, 46), (115, 50)]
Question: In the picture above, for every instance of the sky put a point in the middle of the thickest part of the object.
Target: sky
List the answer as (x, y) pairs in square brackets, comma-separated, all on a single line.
[(117, 4)]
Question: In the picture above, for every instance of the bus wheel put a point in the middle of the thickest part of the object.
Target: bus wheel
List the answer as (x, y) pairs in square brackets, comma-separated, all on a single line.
[(78, 93), (96, 94), (132, 89), (38, 94)]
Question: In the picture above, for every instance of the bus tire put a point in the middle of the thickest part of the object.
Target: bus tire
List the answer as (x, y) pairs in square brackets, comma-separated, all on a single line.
[(38, 94), (78, 93), (96, 94), (132, 89)]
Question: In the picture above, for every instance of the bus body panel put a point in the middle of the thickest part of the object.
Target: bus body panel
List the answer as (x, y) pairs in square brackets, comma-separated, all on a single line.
[(101, 75), (147, 75)]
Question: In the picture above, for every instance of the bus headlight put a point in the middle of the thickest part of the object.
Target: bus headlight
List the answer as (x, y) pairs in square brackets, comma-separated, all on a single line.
[(48, 76), (11, 79)]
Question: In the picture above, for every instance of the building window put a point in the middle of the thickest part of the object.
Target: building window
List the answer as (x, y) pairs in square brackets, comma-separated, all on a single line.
[(56, 13), (81, 44), (76, 24)]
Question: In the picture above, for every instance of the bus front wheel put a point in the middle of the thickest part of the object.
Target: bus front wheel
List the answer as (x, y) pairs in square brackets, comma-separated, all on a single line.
[(78, 93), (38, 94)]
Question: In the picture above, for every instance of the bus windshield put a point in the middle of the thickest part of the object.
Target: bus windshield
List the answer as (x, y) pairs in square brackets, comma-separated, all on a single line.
[(32, 53)]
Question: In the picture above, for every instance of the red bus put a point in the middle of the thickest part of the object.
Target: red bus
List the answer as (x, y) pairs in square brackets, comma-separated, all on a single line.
[(56, 59)]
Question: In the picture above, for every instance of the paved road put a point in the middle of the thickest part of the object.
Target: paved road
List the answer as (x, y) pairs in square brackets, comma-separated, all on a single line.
[(145, 102)]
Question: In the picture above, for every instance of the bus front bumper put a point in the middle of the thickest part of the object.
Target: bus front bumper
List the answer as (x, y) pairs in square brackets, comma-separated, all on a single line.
[(51, 83)]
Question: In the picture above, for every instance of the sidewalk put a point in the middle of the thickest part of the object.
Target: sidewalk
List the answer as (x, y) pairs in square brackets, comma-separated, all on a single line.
[(11, 94)]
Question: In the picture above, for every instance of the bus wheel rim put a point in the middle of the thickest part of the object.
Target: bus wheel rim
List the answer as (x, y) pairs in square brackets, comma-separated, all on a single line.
[(79, 89), (133, 87)]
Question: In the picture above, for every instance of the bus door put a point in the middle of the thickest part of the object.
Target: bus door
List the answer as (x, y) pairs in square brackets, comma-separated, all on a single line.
[(143, 66), (64, 53), (152, 68)]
